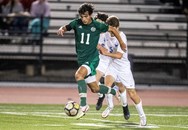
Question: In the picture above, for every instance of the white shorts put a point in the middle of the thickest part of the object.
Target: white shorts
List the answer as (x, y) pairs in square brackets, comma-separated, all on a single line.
[(124, 76), (89, 79), (102, 67)]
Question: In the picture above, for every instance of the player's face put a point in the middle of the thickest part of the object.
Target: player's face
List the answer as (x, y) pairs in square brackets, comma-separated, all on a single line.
[(112, 35), (86, 18)]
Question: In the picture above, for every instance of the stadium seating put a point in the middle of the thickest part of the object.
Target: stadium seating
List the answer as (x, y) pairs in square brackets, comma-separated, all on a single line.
[(156, 33), (152, 30)]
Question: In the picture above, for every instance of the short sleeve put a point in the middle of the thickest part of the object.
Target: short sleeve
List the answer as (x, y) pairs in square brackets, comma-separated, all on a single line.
[(103, 27), (102, 38), (72, 24)]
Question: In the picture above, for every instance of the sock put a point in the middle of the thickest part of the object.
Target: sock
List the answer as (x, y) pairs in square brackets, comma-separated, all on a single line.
[(140, 109), (82, 89), (104, 90), (123, 97), (116, 88), (110, 100), (100, 95)]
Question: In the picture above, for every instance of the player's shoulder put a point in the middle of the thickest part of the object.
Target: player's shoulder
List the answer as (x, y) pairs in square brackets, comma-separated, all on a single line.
[(75, 22), (98, 23)]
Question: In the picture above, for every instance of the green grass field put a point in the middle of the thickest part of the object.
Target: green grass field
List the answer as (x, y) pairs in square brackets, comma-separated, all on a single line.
[(52, 117)]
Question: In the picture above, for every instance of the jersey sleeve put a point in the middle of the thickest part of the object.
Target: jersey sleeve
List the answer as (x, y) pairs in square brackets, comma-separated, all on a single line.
[(101, 39), (71, 25), (103, 27)]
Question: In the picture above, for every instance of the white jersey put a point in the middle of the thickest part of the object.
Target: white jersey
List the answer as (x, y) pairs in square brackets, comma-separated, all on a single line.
[(111, 45), (104, 42), (120, 68), (123, 62)]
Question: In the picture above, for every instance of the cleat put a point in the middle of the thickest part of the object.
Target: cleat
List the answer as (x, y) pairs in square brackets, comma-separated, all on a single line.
[(106, 112), (143, 121), (82, 111), (80, 114), (126, 112), (99, 102)]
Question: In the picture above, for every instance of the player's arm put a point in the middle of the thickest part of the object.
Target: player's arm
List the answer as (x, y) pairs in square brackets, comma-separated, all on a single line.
[(63, 29), (116, 55), (104, 51), (116, 34), (99, 46)]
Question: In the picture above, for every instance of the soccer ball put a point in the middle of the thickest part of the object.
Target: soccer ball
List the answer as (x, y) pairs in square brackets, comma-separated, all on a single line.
[(71, 108)]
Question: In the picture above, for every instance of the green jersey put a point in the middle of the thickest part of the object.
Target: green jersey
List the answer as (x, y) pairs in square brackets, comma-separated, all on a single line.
[(86, 39)]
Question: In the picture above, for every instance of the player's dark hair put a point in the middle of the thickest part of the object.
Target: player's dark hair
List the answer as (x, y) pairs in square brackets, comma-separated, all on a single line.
[(102, 16), (113, 21), (86, 7)]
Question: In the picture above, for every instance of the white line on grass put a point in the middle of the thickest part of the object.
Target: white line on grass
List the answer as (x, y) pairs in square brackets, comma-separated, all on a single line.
[(53, 125), (111, 114), (91, 124), (62, 115), (176, 126)]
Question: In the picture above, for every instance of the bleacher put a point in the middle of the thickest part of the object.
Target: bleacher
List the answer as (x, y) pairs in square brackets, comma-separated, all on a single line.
[(152, 30), (156, 33)]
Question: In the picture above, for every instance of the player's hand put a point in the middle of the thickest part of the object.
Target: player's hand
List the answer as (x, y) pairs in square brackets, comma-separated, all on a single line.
[(60, 31), (123, 47), (103, 50)]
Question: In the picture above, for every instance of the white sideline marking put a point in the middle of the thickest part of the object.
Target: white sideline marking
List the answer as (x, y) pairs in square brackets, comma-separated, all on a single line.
[(176, 126), (62, 115), (15, 113), (138, 126), (111, 114), (91, 124), (49, 125), (158, 115)]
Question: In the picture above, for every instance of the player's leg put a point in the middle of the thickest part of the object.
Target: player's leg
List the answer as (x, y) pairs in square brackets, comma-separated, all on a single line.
[(110, 106), (101, 96), (82, 86), (95, 88), (127, 80), (101, 69), (123, 97), (109, 80), (82, 89), (138, 104), (91, 79), (117, 96)]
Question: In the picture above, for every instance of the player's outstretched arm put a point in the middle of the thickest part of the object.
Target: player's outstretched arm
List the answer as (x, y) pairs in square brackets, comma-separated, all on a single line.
[(61, 30), (116, 34), (104, 51)]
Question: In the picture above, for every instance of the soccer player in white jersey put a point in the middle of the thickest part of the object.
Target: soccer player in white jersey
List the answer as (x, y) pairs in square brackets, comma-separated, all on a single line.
[(120, 71), (107, 42)]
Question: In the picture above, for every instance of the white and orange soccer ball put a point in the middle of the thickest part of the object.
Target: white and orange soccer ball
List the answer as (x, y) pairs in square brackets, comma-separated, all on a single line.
[(72, 108)]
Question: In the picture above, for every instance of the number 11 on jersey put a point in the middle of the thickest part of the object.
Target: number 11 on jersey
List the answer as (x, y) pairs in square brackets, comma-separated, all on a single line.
[(82, 38)]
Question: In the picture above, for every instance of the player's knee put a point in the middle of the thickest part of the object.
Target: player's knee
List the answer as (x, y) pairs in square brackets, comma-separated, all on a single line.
[(78, 76), (132, 93), (94, 89)]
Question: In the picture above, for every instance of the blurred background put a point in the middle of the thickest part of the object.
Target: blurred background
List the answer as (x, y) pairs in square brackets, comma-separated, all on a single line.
[(30, 50)]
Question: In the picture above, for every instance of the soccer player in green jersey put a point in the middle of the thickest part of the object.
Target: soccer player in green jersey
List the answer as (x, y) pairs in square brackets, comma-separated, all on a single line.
[(87, 32)]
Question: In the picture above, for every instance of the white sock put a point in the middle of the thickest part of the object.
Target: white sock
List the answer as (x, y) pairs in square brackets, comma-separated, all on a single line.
[(116, 88), (123, 97), (100, 95), (109, 98), (139, 108)]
